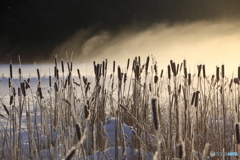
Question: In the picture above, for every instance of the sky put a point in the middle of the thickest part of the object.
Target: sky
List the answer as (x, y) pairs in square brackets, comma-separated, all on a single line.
[(198, 31)]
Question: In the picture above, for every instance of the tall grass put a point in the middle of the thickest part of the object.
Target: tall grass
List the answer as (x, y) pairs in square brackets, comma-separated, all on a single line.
[(177, 115)]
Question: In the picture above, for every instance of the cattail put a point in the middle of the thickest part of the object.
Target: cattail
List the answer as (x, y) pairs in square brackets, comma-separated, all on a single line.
[(55, 59), (230, 85), (26, 84), (62, 66), (237, 133), (125, 77), (57, 74), (103, 68), (14, 92), (68, 66), (69, 78), (174, 69), (155, 79), (38, 75), (223, 72), (137, 71), (50, 81), (239, 72), (19, 71), (155, 68), (154, 111), (179, 89), (87, 87), (40, 92), (199, 70), (70, 156), (71, 66), (184, 63), (181, 67), (161, 73), (79, 75), (55, 87), (185, 72), (28, 80), (123, 107), (179, 150), (19, 91), (23, 89), (139, 60), (196, 99), (217, 74), (9, 82), (236, 81), (189, 79), (128, 63), (65, 84), (119, 74), (169, 72), (10, 66), (193, 97), (147, 64), (78, 132), (169, 89), (11, 99), (204, 72), (5, 108), (87, 112), (113, 66), (150, 87)]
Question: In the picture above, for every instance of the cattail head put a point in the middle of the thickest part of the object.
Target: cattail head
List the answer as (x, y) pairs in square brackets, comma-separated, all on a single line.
[(11, 99), (62, 66), (169, 72), (10, 67), (128, 63), (23, 89), (147, 64), (5, 108), (9, 82), (223, 72), (55, 87), (78, 132), (204, 72), (155, 79), (113, 66), (217, 74), (199, 70), (237, 133), (154, 111), (71, 154), (185, 72), (161, 73), (38, 73), (39, 90), (236, 81), (180, 151)]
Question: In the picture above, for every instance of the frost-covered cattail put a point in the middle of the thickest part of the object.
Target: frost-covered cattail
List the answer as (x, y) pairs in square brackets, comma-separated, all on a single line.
[(180, 151), (204, 72), (78, 132), (23, 89), (71, 154), (237, 133), (154, 111), (10, 67)]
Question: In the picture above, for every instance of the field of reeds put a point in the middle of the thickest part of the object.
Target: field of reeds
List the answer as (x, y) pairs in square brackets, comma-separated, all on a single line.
[(136, 111)]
